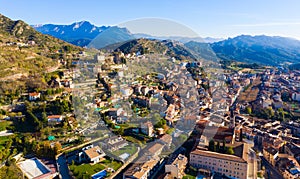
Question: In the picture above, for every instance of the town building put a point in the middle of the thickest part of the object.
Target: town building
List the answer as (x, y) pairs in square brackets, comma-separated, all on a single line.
[(270, 154), (145, 167), (242, 164), (176, 168), (147, 128)]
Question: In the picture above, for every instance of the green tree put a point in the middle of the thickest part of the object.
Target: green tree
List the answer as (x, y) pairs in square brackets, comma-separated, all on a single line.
[(285, 96), (211, 146), (218, 148), (57, 148), (248, 110), (281, 114), (230, 150)]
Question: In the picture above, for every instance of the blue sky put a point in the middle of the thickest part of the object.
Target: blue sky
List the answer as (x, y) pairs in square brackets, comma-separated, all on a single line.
[(214, 18)]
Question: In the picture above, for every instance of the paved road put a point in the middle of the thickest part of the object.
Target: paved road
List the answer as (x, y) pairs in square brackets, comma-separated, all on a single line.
[(63, 167), (271, 171)]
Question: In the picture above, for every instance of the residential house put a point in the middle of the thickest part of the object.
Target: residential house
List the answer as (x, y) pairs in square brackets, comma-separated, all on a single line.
[(91, 155), (55, 119), (114, 143), (114, 112), (34, 96)]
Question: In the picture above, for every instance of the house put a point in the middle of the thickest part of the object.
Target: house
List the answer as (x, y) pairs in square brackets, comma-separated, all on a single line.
[(147, 128), (114, 112), (91, 155), (114, 143), (34, 96), (270, 154), (145, 167), (54, 119), (177, 167)]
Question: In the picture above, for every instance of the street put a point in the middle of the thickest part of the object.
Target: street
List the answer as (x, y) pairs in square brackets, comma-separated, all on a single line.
[(63, 167), (270, 170)]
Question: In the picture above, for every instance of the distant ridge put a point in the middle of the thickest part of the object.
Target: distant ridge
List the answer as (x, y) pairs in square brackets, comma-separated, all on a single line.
[(78, 33), (261, 49), (82, 33)]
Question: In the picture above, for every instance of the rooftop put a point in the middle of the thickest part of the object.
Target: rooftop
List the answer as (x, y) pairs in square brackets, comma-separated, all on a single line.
[(271, 150), (93, 152), (34, 168), (218, 155), (141, 166)]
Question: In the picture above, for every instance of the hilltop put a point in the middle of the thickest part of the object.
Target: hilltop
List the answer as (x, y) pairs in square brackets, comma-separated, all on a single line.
[(25, 52), (148, 46)]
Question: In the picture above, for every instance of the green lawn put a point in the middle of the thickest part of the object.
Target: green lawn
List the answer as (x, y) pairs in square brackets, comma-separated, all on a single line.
[(112, 164), (86, 170), (130, 149), (133, 140)]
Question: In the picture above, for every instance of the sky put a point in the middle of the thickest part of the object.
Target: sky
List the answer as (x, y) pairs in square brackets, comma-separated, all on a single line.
[(208, 18)]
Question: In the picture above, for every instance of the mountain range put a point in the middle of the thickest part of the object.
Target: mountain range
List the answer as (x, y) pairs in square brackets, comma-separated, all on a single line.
[(261, 49), (78, 33), (83, 33)]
